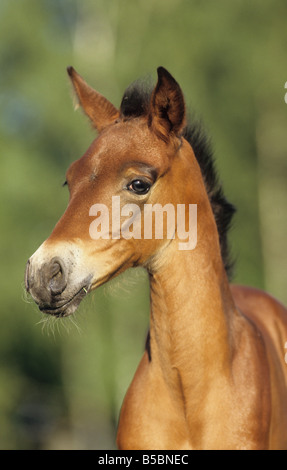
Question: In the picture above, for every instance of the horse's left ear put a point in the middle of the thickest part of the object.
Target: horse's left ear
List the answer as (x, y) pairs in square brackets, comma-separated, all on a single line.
[(167, 106), (100, 111)]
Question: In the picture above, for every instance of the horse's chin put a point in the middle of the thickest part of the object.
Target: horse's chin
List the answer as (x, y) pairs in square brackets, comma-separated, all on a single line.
[(67, 307)]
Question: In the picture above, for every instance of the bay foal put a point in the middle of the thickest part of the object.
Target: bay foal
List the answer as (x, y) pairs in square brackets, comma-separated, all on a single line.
[(213, 374)]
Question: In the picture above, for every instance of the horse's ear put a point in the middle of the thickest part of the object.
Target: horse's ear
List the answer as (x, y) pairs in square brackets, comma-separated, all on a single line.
[(100, 111), (167, 106)]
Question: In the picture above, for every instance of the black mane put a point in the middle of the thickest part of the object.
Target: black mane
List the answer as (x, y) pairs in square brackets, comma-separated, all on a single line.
[(135, 103)]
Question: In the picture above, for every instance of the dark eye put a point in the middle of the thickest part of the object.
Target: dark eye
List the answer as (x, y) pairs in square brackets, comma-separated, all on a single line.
[(139, 187)]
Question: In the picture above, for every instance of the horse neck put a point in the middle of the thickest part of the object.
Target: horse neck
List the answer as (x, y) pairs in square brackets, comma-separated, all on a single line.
[(192, 309)]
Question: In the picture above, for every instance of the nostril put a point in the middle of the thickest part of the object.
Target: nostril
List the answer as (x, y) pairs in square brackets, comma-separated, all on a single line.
[(56, 269), (57, 275)]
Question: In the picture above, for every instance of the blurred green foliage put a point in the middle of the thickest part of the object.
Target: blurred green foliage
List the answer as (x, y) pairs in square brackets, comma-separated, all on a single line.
[(62, 382)]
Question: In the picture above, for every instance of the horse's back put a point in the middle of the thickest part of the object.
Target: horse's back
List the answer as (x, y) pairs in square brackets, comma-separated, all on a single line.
[(267, 313), (270, 318)]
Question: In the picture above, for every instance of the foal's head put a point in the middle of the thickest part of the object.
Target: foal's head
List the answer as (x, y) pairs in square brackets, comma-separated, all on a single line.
[(139, 158)]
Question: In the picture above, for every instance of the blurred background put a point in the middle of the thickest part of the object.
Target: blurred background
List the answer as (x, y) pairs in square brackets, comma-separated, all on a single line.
[(62, 382)]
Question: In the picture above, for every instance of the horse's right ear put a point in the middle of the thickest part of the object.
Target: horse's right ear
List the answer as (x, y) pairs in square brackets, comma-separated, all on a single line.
[(167, 106), (100, 111)]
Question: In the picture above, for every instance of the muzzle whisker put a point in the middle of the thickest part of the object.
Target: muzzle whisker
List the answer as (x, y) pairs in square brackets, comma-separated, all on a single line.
[(75, 324), (26, 297)]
